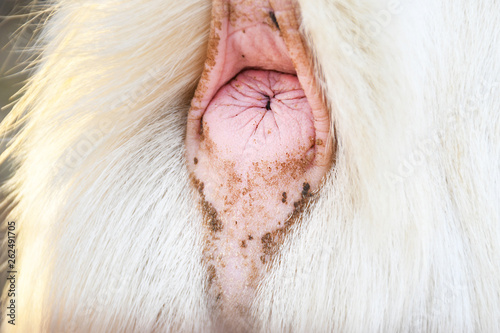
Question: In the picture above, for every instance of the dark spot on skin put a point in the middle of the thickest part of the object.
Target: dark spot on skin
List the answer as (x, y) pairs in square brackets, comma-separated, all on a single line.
[(201, 129), (211, 274), (266, 238), (271, 241), (195, 160), (214, 223), (283, 197), (250, 237), (219, 295), (319, 142), (305, 189), (243, 243), (268, 243), (273, 18), (243, 56), (243, 30), (283, 200), (210, 215), (268, 105), (199, 186), (235, 222)]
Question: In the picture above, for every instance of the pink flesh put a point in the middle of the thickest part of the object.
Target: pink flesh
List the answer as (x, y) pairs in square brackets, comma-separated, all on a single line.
[(257, 143), (260, 116)]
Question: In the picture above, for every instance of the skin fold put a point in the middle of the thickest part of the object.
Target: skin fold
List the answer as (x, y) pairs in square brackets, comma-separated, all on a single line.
[(134, 153)]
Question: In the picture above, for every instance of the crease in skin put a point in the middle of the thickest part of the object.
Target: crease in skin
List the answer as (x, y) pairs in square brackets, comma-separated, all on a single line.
[(257, 147)]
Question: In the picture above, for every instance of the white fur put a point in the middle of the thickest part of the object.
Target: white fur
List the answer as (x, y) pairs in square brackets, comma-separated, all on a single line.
[(405, 236)]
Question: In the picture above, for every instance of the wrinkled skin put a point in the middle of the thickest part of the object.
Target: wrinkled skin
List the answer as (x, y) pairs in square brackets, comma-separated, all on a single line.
[(257, 166)]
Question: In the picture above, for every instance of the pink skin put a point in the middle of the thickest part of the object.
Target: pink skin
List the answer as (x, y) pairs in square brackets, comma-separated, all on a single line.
[(260, 115), (258, 139)]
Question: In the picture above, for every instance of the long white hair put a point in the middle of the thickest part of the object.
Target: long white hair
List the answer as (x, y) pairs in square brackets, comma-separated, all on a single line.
[(405, 235)]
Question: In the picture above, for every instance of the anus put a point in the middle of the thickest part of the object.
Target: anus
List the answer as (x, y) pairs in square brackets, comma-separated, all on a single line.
[(258, 166)]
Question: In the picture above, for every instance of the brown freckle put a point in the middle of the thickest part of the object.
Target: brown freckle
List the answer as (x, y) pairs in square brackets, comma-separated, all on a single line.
[(319, 142), (283, 200), (218, 296), (268, 244), (243, 56), (284, 195), (243, 243), (198, 186), (211, 274), (235, 222), (295, 204), (218, 25), (210, 215), (195, 160), (243, 30), (263, 259), (215, 225), (305, 189), (212, 52), (250, 237)]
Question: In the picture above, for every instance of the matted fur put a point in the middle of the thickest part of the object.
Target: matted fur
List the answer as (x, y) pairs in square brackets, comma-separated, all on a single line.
[(405, 235)]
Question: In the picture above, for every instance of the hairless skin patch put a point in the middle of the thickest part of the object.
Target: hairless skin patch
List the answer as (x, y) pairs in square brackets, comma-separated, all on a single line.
[(257, 146)]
